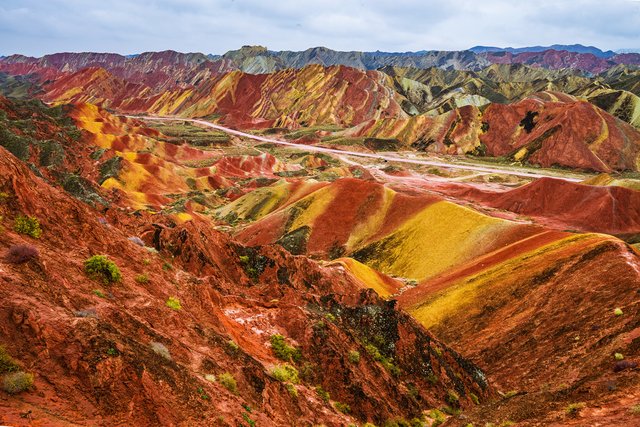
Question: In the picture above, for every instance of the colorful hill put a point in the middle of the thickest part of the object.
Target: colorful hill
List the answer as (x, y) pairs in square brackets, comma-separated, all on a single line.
[(185, 333), (545, 324)]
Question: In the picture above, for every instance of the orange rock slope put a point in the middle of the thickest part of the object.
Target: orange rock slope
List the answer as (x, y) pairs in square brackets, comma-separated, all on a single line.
[(314, 94), (124, 353)]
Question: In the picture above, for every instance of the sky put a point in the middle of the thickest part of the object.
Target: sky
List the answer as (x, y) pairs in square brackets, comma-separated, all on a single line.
[(37, 27)]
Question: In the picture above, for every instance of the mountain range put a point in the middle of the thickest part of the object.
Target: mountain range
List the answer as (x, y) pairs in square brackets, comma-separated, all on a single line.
[(320, 238)]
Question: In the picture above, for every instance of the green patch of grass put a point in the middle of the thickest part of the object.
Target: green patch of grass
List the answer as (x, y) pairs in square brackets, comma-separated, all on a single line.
[(7, 363), (248, 420), (324, 395), (284, 351), (285, 373), (99, 293), (293, 391), (203, 394), (142, 278), (99, 267), (437, 416), (354, 356), (28, 225), (573, 409), (17, 382), (228, 382), (386, 362), (112, 352), (173, 303), (452, 397), (342, 407)]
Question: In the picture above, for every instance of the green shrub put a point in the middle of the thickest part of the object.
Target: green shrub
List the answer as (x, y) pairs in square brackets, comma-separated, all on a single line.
[(285, 373), (617, 312), (174, 303), (619, 356), (17, 382), (142, 278), (354, 356), (293, 392), (233, 346), (437, 416), (574, 409), (228, 382), (249, 421), (452, 397), (99, 293), (324, 395), (282, 350), (342, 407), (28, 225), (7, 363), (99, 267)]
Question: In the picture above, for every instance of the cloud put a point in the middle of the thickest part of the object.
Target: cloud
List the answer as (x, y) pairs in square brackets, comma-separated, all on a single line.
[(36, 27)]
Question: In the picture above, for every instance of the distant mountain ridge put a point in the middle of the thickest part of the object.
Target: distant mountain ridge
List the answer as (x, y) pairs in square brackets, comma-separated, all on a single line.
[(575, 48), (260, 60)]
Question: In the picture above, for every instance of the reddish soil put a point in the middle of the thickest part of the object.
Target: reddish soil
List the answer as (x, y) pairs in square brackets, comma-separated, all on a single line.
[(92, 355)]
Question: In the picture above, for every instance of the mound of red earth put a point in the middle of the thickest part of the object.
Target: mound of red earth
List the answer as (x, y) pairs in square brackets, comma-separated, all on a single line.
[(547, 328), (556, 203), (117, 354), (574, 134), (611, 209)]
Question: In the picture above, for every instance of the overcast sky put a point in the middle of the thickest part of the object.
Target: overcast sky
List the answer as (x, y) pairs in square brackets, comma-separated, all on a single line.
[(37, 27)]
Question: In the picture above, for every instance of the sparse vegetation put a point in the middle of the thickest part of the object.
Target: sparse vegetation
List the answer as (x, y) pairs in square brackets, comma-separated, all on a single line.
[(28, 225), (293, 392), (99, 267), (354, 356), (452, 397), (618, 312), (17, 382), (619, 356), (203, 394), (19, 254), (324, 395), (228, 382), (474, 398), (174, 303), (233, 346), (142, 278), (573, 409), (437, 416), (342, 407), (282, 350), (7, 363), (99, 293), (249, 421), (635, 409), (379, 357), (285, 373)]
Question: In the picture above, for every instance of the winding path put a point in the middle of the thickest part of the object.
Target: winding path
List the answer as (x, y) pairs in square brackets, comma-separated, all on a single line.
[(385, 157)]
